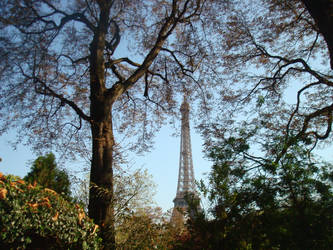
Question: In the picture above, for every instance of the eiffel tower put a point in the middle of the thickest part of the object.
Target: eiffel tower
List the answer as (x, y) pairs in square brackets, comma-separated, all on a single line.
[(186, 183)]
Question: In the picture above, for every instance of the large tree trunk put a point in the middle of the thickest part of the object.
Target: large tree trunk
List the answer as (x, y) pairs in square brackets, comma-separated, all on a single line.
[(101, 174), (322, 12), (101, 180)]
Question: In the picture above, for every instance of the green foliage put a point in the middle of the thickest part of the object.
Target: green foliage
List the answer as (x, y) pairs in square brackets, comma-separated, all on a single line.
[(138, 223), (34, 217), (147, 228), (132, 190), (45, 172), (257, 203)]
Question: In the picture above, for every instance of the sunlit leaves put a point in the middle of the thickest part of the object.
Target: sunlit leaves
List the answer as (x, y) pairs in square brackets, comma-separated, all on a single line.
[(41, 217)]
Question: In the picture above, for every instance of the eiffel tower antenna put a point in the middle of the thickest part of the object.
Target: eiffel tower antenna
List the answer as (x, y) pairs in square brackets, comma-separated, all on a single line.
[(186, 183)]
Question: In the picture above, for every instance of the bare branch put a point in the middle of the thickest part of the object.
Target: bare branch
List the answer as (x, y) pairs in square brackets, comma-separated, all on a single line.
[(120, 60), (326, 111), (113, 44), (182, 67), (166, 29), (117, 73), (82, 59), (49, 92), (306, 67), (298, 103)]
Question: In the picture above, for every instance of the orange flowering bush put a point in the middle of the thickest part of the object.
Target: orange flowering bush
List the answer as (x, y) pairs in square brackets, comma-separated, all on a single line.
[(35, 217)]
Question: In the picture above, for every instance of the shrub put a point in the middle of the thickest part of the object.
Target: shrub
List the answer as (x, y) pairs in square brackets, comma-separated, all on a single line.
[(33, 217)]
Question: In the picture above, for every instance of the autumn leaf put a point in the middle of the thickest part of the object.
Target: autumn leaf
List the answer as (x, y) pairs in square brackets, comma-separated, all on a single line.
[(3, 193), (20, 181), (33, 205), (81, 216), (13, 184), (45, 202), (50, 191), (95, 228), (55, 217), (46, 199), (263, 59), (2, 177)]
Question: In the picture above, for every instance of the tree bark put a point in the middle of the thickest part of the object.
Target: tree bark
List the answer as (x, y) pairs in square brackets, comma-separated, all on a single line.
[(322, 12), (101, 173), (101, 207)]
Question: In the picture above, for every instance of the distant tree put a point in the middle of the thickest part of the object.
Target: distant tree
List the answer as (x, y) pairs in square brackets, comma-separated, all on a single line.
[(146, 228), (139, 224), (258, 204), (133, 190), (45, 172)]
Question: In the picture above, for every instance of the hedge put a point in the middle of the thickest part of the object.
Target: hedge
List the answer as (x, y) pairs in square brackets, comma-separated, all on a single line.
[(33, 217)]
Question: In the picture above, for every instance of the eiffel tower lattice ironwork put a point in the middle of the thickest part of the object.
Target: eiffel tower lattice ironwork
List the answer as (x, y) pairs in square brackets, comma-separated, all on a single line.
[(186, 182)]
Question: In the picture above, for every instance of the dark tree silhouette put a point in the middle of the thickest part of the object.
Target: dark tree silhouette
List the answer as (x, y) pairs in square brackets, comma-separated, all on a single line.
[(45, 172)]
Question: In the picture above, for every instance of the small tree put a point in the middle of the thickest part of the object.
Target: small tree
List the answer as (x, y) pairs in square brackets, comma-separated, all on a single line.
[(45, 172), (139, 224), (132, 190), (146, 228)]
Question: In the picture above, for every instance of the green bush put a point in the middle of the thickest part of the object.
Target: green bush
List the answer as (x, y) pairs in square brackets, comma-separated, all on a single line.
[(33, 217)]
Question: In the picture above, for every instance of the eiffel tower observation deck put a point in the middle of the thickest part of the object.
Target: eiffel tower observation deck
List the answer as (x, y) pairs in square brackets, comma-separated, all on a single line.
[(186, 181)]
